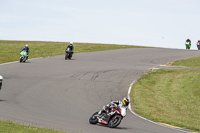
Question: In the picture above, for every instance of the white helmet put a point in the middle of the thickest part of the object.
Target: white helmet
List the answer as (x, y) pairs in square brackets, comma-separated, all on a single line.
[(71, 43)]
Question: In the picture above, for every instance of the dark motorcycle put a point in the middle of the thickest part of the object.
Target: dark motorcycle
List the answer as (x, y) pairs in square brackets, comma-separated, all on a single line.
[(198, 46), (111, 117), (68, 54), (1, 79)]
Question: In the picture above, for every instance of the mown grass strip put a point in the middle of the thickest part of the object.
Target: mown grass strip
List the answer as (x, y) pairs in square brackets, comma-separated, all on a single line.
[(191, 62), (169, 96), (10, 50), (10, 127)]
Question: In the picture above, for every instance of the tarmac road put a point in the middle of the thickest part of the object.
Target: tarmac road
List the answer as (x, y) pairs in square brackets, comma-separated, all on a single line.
[(62, 94)]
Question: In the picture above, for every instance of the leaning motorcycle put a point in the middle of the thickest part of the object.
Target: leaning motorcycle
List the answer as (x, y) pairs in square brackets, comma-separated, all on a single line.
[(112, 117), (68, 54), (23, 56)]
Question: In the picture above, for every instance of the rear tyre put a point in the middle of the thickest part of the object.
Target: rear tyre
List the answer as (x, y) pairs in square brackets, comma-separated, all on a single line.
[(93, 119), (114, 121), (66, 56), (69, 56)]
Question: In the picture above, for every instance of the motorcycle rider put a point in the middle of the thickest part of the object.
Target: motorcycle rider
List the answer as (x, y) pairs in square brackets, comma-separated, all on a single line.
[(188, 42), (26, 48), (198, 44), (1, 80), (107, 108), (71, 48)]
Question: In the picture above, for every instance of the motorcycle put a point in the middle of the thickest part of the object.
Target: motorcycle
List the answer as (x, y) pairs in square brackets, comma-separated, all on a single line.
[(111, 117), (187, 44), (68, 54), (23, 56), (1, 79), (198, 46)]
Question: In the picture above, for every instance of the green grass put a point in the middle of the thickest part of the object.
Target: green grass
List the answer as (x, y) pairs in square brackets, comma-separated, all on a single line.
[(10, 127), (10, 49), (169, 96), (191, 62)]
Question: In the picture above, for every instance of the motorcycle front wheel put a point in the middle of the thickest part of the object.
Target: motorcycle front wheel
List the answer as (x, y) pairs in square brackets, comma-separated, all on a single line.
[(114, 121), (21, 59), (93, 119)]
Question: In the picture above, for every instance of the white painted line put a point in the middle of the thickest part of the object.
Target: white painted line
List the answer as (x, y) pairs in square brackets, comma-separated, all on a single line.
[(9, 63)]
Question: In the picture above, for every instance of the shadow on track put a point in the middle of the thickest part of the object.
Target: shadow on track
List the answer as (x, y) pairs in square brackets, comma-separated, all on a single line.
[(2, 100), (119, 127)]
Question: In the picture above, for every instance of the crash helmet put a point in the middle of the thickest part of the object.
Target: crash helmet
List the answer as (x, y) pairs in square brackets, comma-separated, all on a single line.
[(125, 101), (198, 40), (71, 43), (26, 45)]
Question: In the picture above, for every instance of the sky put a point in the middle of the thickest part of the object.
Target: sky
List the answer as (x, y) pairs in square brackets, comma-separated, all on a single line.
[(158, 23)]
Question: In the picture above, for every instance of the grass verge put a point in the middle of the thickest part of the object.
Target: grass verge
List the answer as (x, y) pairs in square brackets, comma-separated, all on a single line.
[(169, 96), (10, 49), (10, 127), (191, 62)]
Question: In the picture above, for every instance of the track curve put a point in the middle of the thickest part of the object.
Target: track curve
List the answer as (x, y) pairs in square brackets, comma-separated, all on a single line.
[(62, 94)]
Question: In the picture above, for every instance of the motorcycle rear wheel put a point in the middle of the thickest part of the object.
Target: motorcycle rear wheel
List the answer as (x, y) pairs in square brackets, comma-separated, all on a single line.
[(93, 119), (66, 56)]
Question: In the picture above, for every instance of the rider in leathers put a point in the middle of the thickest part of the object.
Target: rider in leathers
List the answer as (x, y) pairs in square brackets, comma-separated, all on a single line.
[(71, 47), (198, 44), (188, 42), (107, 108), (1, 79), (26, 48)]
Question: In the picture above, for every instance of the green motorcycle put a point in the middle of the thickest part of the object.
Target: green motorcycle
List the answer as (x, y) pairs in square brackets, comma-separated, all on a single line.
[(23, 56), (187, 44)]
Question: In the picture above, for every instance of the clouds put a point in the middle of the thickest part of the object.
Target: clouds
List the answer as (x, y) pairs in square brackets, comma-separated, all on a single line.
[(133, 22)]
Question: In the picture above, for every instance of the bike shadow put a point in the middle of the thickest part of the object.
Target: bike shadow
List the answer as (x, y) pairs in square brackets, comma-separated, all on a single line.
[(71, 59), (1, 100), (119, 127), (24, 62)]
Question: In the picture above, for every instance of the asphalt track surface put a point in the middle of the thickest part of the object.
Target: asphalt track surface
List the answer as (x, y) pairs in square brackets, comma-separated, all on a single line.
[(62, 94)]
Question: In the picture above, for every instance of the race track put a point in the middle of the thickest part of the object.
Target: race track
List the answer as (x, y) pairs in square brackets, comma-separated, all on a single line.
[(62, 94)]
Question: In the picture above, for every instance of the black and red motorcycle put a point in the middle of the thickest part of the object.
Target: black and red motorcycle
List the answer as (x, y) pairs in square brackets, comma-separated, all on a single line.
[(111, 117)]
